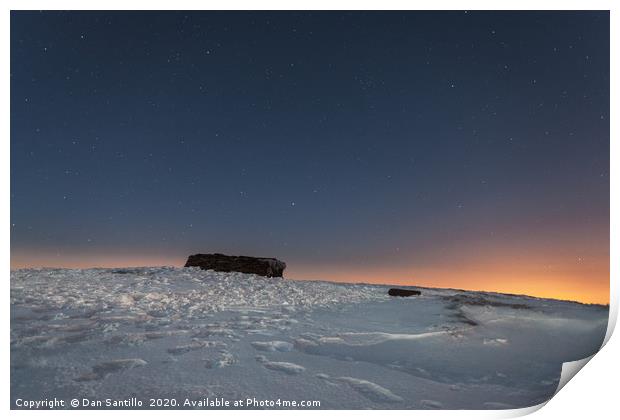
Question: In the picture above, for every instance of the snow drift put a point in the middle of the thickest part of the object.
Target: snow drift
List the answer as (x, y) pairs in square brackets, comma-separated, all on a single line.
[(187, 333)]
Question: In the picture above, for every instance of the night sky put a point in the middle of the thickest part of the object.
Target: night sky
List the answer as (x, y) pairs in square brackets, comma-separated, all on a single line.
[(450, 149)]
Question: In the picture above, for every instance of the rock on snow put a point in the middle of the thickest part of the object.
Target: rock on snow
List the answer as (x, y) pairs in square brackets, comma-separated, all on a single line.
[(181, 333)]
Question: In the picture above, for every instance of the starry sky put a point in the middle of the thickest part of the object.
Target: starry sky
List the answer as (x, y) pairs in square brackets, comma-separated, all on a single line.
[(449, 149)]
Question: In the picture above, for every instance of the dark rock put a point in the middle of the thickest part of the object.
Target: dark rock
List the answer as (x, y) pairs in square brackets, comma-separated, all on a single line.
[(268, 267), (403, 292)]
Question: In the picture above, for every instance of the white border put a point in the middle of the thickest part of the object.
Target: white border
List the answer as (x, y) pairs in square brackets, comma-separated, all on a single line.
[(593, 395)]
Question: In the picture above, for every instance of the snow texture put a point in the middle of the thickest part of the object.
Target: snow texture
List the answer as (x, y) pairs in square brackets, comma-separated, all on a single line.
[(181, 333)]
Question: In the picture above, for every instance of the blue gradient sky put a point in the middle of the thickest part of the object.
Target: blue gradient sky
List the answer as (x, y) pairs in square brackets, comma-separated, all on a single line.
[(442, 148)]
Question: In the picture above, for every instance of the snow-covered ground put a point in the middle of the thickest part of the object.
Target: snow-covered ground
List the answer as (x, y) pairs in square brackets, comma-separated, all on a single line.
[(183, 333)]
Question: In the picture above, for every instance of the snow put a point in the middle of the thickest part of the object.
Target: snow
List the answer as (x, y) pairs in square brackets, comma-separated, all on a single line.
[(163, 332), (286, 367), (272, 345)]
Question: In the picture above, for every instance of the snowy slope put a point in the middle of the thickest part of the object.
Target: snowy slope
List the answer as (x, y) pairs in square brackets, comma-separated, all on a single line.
[(186, 333)]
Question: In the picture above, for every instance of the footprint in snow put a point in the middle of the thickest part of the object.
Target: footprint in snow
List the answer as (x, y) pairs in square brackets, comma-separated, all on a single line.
[(368, 389), (102, 370), (226, 359), (284, 367)]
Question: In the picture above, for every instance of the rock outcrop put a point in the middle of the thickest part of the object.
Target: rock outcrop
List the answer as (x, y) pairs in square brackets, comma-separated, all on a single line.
[(403, 292), (268, 267)]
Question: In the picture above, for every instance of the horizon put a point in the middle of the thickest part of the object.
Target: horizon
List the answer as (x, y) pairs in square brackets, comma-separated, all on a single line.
[(453, 147), (604, 299)]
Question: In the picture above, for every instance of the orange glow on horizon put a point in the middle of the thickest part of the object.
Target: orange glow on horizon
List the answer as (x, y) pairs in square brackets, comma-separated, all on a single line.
[(554, 287), (98, 261), (583, 281)]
